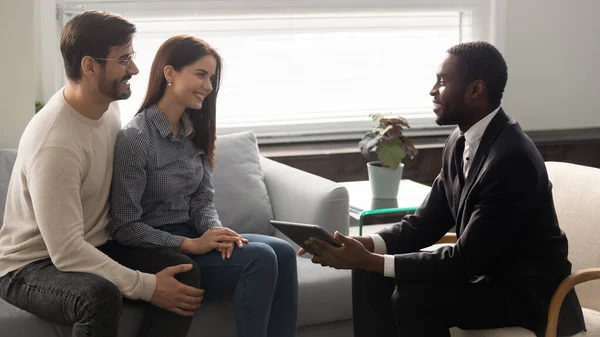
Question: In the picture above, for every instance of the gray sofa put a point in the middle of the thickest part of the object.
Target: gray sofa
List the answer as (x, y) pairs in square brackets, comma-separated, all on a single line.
[(250, 189)]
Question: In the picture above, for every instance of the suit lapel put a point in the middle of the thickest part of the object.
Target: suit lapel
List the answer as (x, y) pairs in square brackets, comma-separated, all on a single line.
[(489, 136)]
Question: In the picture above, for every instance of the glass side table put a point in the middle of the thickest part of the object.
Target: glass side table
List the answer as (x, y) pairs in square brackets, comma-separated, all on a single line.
[(368, 210)]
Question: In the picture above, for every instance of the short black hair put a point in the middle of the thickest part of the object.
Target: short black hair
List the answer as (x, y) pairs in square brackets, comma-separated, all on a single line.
[(92, 33), (482, 61)]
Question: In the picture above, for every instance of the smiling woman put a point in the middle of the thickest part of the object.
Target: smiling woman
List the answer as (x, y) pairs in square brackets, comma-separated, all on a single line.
[(185, 76), (167, 203)]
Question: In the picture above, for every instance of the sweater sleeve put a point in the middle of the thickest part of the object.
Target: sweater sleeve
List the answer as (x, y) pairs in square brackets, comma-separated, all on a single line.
[(54, 177)]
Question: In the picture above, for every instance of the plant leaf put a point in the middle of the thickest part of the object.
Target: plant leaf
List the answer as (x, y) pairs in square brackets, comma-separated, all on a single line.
[(395, 131), (382, 129), (410, 147), (400, 121), (376, 116), (369, 142), (391, 154)]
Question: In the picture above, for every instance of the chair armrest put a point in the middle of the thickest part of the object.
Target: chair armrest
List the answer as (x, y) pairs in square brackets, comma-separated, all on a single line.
[(448, 238), (563, 289), (299, 196)]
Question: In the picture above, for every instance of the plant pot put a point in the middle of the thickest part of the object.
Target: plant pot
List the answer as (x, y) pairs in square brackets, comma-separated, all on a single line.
[(384, 181)]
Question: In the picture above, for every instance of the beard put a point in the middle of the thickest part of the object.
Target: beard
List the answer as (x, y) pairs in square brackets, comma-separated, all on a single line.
[(111, 88), (446, 118), (453, 109), (452, 113)]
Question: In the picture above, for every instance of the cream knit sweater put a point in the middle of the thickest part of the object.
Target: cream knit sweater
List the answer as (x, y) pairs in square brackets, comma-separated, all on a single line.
[(57, 202)]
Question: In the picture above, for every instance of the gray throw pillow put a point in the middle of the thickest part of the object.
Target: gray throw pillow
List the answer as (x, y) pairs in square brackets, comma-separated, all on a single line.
[(241, 197)]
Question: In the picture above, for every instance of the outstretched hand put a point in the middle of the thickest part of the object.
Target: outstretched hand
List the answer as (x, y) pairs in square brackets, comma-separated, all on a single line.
[(352, 254), (366, 241)]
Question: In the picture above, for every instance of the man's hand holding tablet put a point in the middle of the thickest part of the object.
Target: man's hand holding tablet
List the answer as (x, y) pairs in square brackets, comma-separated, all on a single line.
[(343, 253)]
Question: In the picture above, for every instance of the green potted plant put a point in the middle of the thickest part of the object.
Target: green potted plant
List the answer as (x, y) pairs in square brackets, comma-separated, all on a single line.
[(391, 146), (38, 106)]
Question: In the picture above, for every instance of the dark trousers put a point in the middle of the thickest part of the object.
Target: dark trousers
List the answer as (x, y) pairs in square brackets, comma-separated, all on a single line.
[(382, 308), (91, 303)]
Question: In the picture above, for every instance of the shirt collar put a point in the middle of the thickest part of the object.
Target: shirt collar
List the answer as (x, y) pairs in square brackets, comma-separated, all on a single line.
[(188, 126), (474, 134), (163, 126)]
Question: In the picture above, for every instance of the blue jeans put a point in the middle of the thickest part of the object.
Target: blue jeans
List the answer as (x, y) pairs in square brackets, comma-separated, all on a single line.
[(263, 277)]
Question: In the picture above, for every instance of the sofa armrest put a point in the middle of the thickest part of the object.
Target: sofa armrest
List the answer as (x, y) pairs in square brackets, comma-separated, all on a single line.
[(303, 197)]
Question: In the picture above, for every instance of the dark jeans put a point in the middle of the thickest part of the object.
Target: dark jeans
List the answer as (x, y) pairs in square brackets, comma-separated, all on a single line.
[(382, 308), (262, 276), (91, 303)]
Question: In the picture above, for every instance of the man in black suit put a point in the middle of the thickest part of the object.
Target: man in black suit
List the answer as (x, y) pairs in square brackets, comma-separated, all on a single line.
[(493, 187)]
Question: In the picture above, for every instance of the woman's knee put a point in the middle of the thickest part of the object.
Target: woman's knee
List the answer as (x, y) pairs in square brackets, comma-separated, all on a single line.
[(262, 255), (284, 250)]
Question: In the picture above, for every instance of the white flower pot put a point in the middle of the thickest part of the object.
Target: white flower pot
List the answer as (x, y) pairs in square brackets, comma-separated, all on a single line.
[(384, 181)]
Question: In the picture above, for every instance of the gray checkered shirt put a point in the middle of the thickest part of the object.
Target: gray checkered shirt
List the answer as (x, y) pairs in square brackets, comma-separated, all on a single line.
[(159, 179)]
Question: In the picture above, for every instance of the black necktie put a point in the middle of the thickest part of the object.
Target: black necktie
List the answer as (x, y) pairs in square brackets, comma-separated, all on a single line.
[(458, 158)]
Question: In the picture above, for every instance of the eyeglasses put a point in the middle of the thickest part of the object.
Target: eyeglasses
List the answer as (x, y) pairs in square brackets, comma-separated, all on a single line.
[(126, 60)]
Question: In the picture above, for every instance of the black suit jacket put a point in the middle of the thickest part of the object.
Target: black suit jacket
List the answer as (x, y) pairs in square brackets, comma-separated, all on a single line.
[(505, 222)]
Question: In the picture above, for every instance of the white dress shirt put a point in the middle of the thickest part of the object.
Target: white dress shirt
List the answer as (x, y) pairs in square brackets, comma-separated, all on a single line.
[(472, 139)]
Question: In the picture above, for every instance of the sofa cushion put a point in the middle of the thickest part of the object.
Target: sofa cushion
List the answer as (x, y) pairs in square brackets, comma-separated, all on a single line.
[(16, 322), (241, 197), (214, 318), (7, 161), (325, 294)]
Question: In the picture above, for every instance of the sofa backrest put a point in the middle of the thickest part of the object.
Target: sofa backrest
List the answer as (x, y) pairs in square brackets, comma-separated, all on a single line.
[(241, 197), (7, 161), (576, 192)]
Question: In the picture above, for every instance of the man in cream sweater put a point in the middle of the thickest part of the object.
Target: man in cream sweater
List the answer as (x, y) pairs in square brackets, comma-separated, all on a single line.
[(55, 257)]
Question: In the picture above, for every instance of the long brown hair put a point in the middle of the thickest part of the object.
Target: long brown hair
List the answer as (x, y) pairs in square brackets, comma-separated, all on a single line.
[(178, 52)]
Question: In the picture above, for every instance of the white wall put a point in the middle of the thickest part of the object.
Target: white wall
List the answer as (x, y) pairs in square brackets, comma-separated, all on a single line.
[(553, 53), (17, 87)]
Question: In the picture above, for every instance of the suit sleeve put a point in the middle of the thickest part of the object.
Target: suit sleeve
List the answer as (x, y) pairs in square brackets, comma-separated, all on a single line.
[(430, 222), (500, 211)]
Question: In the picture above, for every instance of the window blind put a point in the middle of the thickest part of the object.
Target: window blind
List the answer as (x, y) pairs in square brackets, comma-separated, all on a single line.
[(293, 74)]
